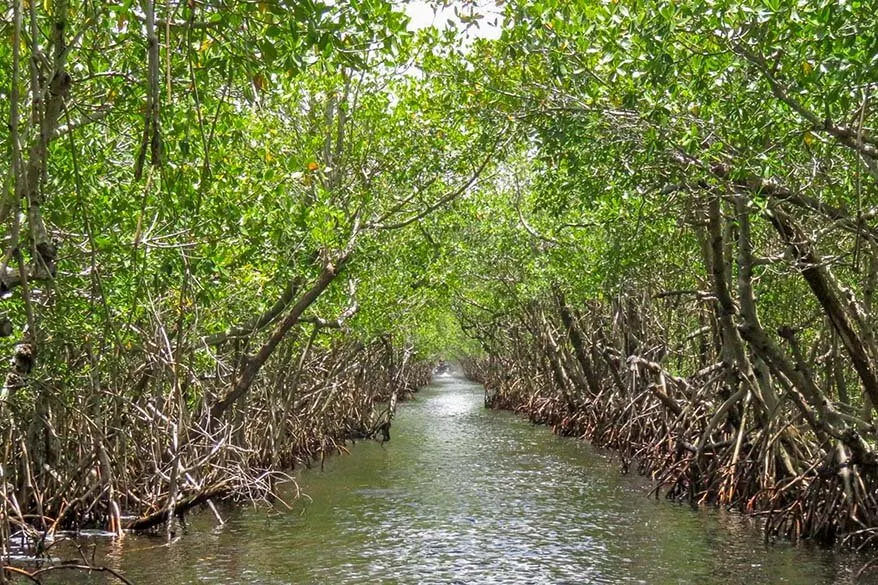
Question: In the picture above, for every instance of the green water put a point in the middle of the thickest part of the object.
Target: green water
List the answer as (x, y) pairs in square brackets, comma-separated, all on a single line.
[(465, 495)]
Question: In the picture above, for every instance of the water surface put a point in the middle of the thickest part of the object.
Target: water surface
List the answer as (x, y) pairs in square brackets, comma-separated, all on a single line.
[(463, 495)]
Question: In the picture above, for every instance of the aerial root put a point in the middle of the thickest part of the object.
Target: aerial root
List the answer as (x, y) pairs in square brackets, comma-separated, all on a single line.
[(136, 464), (828, 500)]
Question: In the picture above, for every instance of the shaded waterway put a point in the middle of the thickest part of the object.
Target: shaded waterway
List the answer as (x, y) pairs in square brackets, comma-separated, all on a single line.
[(463, 495)]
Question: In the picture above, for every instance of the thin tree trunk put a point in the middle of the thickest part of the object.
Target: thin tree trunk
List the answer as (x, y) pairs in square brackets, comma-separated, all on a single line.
[(580, 346), (254, 364), (816, 275)]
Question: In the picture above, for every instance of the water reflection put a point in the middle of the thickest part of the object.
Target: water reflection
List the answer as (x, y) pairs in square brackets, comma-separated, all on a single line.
[(465, 495)]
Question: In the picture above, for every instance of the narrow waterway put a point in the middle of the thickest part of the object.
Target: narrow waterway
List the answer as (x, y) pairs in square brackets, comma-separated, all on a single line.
[(466, 495)]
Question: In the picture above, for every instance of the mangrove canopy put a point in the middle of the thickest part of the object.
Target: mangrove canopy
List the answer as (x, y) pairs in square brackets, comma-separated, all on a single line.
[(235, 233)]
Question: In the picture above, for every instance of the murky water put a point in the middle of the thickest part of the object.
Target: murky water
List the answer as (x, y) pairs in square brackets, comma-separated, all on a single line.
[(465, 495)]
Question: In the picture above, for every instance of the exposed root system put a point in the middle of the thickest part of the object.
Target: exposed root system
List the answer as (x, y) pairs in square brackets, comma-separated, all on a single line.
[(106, 461), (701, 440)]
